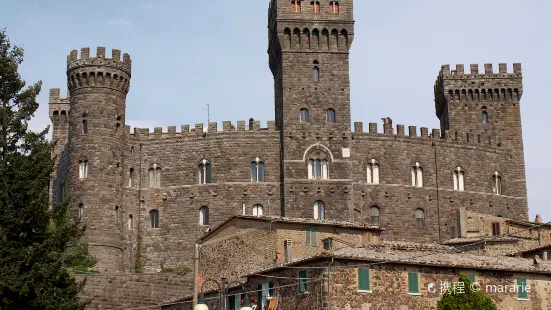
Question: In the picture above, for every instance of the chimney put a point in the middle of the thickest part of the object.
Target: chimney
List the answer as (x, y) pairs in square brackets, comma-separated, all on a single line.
[(538, 219)]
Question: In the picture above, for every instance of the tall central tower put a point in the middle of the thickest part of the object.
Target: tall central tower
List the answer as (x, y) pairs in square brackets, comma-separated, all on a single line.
[(309, 43)]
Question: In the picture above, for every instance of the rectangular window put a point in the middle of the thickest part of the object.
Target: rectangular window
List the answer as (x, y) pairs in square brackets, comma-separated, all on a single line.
[(413, 283), (231, 302), (311, 236), (364, 282), (496, 231), (521, 287), (253, 172), (302, 288), (259, 296)]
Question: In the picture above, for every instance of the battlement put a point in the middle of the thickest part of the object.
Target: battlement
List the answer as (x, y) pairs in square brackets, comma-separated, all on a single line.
[(435, 133), (58, 107), (488, 71), (99, 71), (200, 129)]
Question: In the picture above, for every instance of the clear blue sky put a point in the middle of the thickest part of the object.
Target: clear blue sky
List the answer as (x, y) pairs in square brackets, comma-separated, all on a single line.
[(187, 54)]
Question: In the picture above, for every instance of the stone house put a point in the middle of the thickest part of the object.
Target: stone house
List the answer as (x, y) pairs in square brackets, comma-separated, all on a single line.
[(395, 275), (244, 242)]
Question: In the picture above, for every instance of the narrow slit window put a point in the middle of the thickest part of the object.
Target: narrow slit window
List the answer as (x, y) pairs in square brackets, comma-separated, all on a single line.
[(154, 218), (316, 74), (85, 126), (204, 216)]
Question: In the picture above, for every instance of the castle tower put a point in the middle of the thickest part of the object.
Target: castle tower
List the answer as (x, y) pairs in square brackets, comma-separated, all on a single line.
[(58, 111), (484, 108), (309, 43), (98, 88)]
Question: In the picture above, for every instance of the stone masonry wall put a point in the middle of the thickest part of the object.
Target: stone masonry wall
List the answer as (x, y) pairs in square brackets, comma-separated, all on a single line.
[(121, 291)]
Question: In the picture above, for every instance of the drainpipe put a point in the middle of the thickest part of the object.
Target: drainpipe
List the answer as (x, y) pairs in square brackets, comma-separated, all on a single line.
[(195, 273)]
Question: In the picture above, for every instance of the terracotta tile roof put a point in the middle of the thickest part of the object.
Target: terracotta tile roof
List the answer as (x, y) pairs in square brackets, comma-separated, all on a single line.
[(480, 239), (534, 249)]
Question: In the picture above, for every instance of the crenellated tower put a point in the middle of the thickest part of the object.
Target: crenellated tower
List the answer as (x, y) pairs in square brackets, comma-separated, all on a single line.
[(98, 88), (484, 108), (309, 44)]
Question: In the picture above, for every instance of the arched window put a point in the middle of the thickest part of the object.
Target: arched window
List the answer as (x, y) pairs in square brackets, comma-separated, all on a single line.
[(205, 172), (84, 126), (304, 115), (330, 116), (496, 183), (257, 170), (314, 7), (374, 213), (258, 210), (316, 74), (204, 216), (459, 179), (83, 169), (130, 222), (373, 172), (155, 176), (334, 7), (420, 217), (484, 116), (417, 175), (154, 217), (131, 177), (319, 210), (295, 6), (317, 169), (81, 211)]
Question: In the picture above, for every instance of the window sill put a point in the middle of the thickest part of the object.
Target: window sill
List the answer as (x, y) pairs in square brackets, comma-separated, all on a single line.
[(414, 294), (523, 299), (362, 291)]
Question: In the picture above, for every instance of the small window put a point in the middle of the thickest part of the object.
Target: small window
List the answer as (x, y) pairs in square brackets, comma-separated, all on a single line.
[(317, 169), (131, 177), (83, 169), (417, 175), (130, 222), (295, 6), (334, 7), (413, 283), (154, 217), (328, 244), (316, 74), (496, 183), (205, 172), (311, 239), (117, 210), (81, 211), (484, 116), (319, 210), (258, 210), (302, 287), (522, 288), (373, 172), (155, 176), (84, 126), (304, 116), (315, 7), (374, 215), (257, 171), (364, 281), (330, 116), (204, 216), (459, 179), (453, 232), (496, 229), (420, 217)]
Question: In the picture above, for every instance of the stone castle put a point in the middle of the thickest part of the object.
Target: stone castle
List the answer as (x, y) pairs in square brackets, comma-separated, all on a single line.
[(146, 197)]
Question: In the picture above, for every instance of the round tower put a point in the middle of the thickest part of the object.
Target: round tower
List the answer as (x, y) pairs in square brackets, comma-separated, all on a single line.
[(98, 88)]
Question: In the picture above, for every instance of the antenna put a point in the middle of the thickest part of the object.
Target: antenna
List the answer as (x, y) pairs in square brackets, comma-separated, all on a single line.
[(208, 113)]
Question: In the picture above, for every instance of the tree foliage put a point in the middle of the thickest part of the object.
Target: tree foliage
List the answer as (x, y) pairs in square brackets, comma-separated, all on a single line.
[(466, 299), (39, 246)]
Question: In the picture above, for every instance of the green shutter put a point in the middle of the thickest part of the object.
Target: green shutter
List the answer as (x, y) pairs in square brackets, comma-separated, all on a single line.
[(307, 235), (364, 283), (472, 278), (522, 292), (302, 282), (313, 240), (271, 288), (259, 295), (413, 283), (231, 302)]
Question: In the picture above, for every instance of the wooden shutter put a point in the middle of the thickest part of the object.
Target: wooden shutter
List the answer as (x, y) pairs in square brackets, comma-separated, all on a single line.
[(259, 295), (271, 288), (413, 283), (522, 292), (231, 302), (364, 283)]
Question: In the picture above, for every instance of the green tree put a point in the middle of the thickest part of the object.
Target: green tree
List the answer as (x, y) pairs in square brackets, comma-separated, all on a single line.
[(465, 299), (39, 246)]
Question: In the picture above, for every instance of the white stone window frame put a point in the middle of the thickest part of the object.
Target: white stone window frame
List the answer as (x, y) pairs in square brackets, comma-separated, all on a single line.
[(155, 176), (373, 170), (205, 172), (417, 175), (258, 173), (459, 179), (83, 169), (319, 210)]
